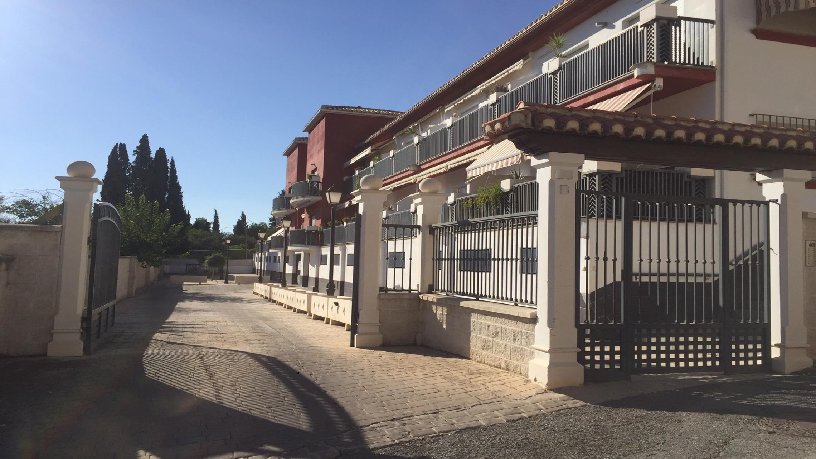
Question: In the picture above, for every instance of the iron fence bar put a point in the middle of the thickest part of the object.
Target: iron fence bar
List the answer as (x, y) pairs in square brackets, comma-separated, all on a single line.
[(628, 344), (726, 302), (355, 289)]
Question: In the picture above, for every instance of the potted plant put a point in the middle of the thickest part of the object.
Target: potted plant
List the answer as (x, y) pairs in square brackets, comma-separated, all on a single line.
[(556, 43)]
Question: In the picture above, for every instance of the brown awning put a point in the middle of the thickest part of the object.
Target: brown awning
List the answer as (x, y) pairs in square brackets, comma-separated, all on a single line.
[(624, 101), (498, 156)]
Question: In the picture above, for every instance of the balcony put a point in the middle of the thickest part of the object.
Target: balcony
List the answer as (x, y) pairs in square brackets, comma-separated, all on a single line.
[(276, 242), (680, 42), (281, 207), (785, 122), (304, 237), (304, 194)]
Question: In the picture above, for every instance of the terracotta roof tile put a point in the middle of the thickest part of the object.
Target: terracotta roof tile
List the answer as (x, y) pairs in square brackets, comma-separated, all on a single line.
[(657, 128)]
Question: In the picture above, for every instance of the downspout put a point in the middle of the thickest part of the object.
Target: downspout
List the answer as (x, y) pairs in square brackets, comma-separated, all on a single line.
[(719, 110)]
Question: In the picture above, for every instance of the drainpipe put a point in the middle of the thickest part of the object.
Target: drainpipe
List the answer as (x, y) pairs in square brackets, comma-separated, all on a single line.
[(719, 17)]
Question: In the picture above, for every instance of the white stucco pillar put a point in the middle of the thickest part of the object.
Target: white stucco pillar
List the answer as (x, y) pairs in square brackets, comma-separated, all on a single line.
[(79, 187), (370, 200), (555, 358), (428, 203), (788, 333)]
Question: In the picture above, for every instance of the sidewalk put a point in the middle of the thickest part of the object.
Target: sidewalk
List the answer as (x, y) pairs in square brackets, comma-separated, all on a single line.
[(214, 371)]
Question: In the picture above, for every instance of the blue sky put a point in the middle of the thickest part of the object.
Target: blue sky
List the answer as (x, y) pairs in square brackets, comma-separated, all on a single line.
[(222, 86)]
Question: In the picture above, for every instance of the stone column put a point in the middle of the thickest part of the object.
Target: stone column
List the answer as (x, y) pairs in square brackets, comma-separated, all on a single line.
[(79, 186), (428, 203), (555, 357), (371, 202), (788, 333)]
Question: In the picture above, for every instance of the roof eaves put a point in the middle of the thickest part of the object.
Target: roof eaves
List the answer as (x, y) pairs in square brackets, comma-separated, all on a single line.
[(295, 142)]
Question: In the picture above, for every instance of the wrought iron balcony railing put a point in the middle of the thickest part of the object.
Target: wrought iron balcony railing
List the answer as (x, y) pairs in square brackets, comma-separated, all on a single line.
[(680, 41), (786, 122), (303, 194), (276, 242), (281, 206), (304, 237)]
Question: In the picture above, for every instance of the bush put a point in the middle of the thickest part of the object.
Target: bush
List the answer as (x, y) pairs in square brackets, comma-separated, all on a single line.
[(216, 261)]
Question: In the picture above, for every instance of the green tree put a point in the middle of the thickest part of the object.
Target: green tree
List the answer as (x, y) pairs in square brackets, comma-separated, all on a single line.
[(240, 227), (147, 232), (115, 183), (201, 223), (175, 197), (255, 228), (141, 168), (200, 239), (30, 205), (158, 180), (216, 224)]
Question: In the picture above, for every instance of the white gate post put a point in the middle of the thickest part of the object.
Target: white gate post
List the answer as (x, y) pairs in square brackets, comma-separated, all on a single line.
[(788, 333), (370, 201), (428, 204), (79, 186), (555, 349)]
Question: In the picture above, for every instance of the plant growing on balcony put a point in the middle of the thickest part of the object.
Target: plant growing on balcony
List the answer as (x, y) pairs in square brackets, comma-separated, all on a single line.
[(488, 197), (557, 43)]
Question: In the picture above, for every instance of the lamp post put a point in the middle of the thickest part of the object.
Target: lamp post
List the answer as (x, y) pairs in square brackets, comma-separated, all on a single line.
[(262, 254), (286, 224), (226, 256), (333, 198)]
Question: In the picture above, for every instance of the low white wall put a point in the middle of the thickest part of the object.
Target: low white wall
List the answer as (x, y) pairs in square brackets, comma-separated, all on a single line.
[(495, 334), (809, 231), (28, 287), (133, 277)]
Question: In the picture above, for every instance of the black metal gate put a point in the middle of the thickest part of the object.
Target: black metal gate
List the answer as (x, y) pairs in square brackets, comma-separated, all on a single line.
[(671, 284), (100, 314)]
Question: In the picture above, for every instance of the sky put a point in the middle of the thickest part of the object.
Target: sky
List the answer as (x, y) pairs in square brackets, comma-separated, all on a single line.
[(223, 86)]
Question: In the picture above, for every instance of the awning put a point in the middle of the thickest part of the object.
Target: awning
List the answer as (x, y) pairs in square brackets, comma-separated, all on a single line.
[(279, 232), (498, 156), (623, 101)]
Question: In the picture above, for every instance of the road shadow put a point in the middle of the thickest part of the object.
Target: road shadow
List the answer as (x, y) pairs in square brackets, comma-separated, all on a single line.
[(139, 396), (783, 397)]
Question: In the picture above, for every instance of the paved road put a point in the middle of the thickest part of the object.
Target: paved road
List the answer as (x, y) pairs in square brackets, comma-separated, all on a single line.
[(770, 417), (214, 371)]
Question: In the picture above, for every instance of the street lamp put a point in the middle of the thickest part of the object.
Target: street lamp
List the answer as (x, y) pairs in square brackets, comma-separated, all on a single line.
[(333, 198), (226, 256), (262, 254), (286, 224)]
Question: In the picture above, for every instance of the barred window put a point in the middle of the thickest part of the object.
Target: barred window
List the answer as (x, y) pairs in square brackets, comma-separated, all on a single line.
[(396, 259), (350, 259), (529, 260), (324, 260)]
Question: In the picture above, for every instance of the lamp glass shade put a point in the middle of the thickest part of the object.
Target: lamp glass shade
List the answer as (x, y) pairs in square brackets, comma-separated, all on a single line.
[(286, 223), (261, 235), (226, 241), (333, 197)]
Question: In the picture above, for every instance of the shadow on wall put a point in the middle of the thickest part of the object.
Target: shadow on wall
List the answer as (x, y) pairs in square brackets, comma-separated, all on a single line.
[(140, 395)]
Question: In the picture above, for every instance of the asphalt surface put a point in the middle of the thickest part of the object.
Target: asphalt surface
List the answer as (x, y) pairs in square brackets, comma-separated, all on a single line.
[(770, 417)]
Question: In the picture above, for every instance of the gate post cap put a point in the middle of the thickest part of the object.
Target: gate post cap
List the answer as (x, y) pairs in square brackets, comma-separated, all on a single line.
[(430, 185), (371, 182), (81, 169)]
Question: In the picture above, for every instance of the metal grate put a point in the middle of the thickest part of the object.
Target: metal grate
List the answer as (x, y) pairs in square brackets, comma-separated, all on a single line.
[(539, 90), (487, 259), (432, 145), (520, 198), (785, 122), (399, 245)]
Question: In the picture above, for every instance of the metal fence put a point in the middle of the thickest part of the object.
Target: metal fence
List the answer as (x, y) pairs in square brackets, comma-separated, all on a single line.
[(785, 122), (106, 234), (520, 198), (399, 243), (492, 258)]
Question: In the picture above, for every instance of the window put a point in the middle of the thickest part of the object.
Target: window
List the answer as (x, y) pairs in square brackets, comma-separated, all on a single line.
[(475, 260), (350, 259), (336, 259), (396, 259), (324, 260), (529, 260)]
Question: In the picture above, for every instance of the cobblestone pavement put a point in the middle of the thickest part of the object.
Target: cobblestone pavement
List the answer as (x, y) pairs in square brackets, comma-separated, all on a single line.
[(214, 371)]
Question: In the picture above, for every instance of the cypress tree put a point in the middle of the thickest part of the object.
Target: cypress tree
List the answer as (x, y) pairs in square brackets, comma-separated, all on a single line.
[(240, 226), (140, 169), (114, 185), (124, 161), (157, 189), (175, 197), (216, 224)]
